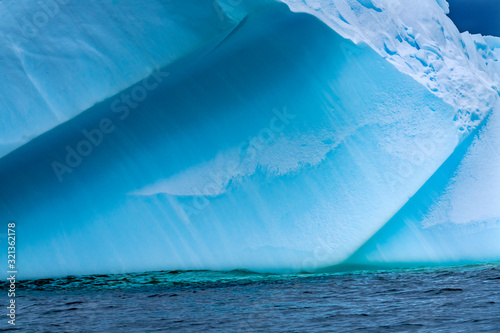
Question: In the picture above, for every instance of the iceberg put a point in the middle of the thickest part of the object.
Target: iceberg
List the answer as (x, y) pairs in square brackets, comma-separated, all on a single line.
[(270, 136)]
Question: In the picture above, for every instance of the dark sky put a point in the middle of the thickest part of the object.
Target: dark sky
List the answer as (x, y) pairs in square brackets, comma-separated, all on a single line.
[(476, 16)]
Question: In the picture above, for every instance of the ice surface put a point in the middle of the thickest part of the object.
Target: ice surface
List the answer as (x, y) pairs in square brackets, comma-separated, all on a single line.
[(421, 41), (58, 58), (233, 134), (456, 216)]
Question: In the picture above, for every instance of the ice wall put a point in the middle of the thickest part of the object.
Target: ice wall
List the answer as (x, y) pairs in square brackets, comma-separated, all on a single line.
[(455, 217), (237, 134), (421, 41), (273, 149), (60, 57), (92, 51)]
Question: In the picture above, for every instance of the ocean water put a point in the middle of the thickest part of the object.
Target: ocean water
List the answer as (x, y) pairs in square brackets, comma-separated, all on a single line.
[(445, 299)]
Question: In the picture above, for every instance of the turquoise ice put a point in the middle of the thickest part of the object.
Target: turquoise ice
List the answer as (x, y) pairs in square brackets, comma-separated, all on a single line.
[(236, 136)]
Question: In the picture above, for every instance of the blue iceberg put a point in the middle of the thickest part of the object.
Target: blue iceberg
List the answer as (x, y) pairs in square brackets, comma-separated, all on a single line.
[(247, 135)]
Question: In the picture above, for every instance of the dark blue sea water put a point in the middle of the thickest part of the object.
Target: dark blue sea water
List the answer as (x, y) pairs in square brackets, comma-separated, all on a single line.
[(456, 299)]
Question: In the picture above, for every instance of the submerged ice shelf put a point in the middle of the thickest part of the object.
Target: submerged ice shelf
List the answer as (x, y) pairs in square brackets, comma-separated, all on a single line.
[(270, 143)]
